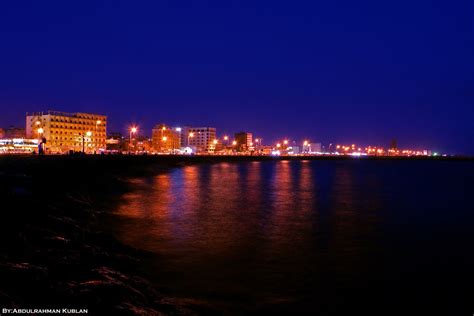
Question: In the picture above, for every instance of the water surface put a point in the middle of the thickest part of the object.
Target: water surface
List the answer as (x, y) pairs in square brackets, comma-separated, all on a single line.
[(314, 237)]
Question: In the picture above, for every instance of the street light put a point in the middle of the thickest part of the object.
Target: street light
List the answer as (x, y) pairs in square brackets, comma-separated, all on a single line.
[(215, 141), (88, 134), (40, 132), (163, 140), (133, 130)]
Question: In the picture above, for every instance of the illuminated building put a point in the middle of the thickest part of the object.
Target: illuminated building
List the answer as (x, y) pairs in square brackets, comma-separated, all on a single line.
[(310, 148), (15, 132), (116, 142), (201, 138), (165, 138), (68, 131), (244, 141), (18, 146), (2, 133)]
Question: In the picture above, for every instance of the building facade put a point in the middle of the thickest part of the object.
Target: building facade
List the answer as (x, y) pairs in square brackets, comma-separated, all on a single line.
[(66, 132), (201, 138), (165, 139), (312, 148), (244, 141), (18, 146), (15, 132)]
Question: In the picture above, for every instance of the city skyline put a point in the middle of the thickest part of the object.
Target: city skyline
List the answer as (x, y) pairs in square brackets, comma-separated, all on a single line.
[(341, 73)]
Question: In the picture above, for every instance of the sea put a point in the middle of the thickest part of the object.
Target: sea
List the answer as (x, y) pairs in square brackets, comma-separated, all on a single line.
[(309, 237)]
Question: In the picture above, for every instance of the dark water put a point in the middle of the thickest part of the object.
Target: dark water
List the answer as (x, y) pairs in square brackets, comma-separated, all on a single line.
[(310, 237)]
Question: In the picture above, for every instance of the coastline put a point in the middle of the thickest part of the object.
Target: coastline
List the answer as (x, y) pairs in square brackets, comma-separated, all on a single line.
[(53, 253)]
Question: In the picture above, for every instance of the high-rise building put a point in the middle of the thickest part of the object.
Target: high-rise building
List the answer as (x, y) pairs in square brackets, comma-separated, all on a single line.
[(165, 138), (68, 131), (202, 138), (243, 140)]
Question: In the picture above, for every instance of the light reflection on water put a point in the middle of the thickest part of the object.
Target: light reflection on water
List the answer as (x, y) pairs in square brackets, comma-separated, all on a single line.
[(258, 233)]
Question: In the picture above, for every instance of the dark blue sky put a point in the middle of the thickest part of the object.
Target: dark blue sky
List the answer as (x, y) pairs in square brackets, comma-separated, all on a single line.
[(331, 71)]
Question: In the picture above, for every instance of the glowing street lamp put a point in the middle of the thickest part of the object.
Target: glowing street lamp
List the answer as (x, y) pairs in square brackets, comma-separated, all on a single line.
[(133, 130), (278, 145), (234, 143), (215, 141), (40, 132), (88, 134)]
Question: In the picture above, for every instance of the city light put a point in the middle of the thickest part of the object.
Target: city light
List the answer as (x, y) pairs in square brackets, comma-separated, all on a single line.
[(203, 137)]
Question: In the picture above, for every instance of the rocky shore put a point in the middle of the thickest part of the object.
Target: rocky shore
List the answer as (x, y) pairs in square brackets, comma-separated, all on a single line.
[(53, 254)]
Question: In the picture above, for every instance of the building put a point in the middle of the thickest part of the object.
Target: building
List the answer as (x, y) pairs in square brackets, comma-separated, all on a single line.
[(115, 142), (66, 132), (2, 133), (18, 146), (165, 139), (243, 141), (15, 132), (201, 138), (312, 148)]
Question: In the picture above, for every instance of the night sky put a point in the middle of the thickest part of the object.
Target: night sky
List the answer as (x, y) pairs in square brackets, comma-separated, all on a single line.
[(330, 71)]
